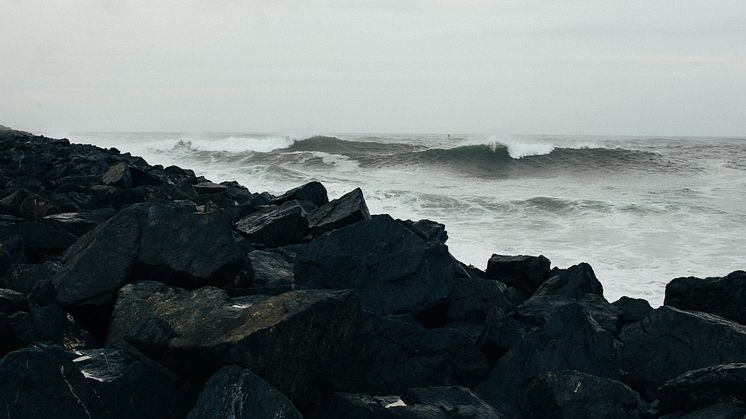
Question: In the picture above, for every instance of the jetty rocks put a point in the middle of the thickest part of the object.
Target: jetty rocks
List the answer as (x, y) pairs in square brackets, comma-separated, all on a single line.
[(136, 290)]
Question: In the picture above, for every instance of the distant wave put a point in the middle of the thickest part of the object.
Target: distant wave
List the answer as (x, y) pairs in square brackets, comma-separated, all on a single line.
[(338, 146)]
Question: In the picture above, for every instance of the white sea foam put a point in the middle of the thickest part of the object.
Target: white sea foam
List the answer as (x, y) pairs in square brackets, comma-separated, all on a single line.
[(233, 144)]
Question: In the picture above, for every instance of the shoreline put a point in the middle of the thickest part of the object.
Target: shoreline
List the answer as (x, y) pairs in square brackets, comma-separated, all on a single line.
[(316, 305)]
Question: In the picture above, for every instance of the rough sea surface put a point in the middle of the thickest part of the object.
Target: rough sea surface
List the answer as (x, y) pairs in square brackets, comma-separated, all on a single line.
[(641, 211)]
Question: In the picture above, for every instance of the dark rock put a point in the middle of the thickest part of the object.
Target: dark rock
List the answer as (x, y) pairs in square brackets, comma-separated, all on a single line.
[(40, 383), (669, 342), (312, 192), (296, 341), (32, 242), (537, 309), (398, 353), (79, 223), (207, 188), (268, 272), (732, 410), (149, 241), (50, 325), (348, 209), (235, 392), (5, 260), (457, 402), (472, 300), (26, 205), (633, 309), (364, 406), (391, 268), (501, 333), (275, 226), (8, 340), (721, 296), (700, 388), (575, 395), (22, 277), (118, 175), (570, 339), (428, 230), (12, 301), (526, 273), (573, 282)]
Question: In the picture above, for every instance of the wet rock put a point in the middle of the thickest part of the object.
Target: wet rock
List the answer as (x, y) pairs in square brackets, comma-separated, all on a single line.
[(570, 339), (721, 296), (573, 282), (457, 402), (428, 230), (526, 273), (296, 341), (168, 242), (669, 342), (275, 226), (27, 205), (398, 353), (364, 406), (633, 309), (575, 395), (703, 387), (8, 340), (537, 309), (312, 192), (208, 188), (267, 272), (50, 325), (126, 176), (501, 333), (235, 392), (390, 268), (732, 410), (348, 209), (472, 300), (12, 301), (32, 242), (22, 277), (79, 223)]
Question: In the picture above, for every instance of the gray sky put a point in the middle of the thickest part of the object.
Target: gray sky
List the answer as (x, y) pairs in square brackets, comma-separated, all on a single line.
[(664, 67)]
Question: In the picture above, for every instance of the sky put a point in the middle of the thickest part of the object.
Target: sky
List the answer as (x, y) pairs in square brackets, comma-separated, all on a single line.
[(632, 67)]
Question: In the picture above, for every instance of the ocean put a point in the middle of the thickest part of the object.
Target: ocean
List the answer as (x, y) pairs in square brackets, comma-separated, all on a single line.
[(640, 210)]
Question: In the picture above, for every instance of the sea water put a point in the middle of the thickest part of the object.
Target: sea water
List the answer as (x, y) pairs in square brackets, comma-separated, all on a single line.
[(641, 211)]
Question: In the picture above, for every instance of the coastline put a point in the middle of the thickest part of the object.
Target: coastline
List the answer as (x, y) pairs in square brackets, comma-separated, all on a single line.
[(317, 305)]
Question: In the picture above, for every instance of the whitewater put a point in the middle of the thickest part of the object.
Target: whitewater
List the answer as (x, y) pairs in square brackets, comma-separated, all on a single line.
[(640, 210)]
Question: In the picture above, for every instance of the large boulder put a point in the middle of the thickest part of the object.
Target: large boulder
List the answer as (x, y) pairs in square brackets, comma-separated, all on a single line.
[(526, 273), (79, 223), (473, 300), (725, 410), (347, 209), (22, 277), (235, 392), (273, 226), (632, 309), (312, 192), (570, 339), (50, 325), (669, 342), (296, 341), (573, 282), (268, 272), (397, 353), (458, 402), (700, 388), (575, 395), (33, 242), (428, 230), (163, 241), (12, 301), (537, 309), (125, 176), (721, 296), (392, 269)]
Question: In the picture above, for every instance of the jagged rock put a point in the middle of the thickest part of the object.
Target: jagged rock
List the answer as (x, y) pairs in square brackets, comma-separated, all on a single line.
[(22, 277), (12, 301), (275, 226), (428, 230), (391, 268), (26, 205), (347, 209), (573, 282), (8, 340), (364, 406), (5, 260), (267, 272), (703, 387), (526, 273), (79, 223), (633, 309), (732, 410), (398, 353), (472, 300), (296, 341), (50, 325), (575, 395), (537, 309), (126, 176), (457, 402), (721, 296), (167, 242), (204, 188), (235, 392), (570, 339), (32, 242), (669, 342), (130, 388), (312, 192), (501, 333)]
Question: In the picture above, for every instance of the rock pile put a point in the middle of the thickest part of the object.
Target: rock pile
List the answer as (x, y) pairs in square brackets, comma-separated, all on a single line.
[(131, 290)]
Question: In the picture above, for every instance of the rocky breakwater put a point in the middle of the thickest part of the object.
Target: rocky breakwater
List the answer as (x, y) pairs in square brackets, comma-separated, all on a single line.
[(131, 290)]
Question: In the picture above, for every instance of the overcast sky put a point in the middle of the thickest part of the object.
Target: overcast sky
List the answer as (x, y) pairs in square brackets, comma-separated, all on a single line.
[(664, 67)]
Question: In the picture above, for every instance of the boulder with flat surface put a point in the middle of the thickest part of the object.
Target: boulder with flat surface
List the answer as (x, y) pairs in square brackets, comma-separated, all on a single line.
[(391, 269), (526, 273), (700, 388), (274, 226), (721, 296), (50, 325), (312, 192), (349, 208), (573, 282)]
